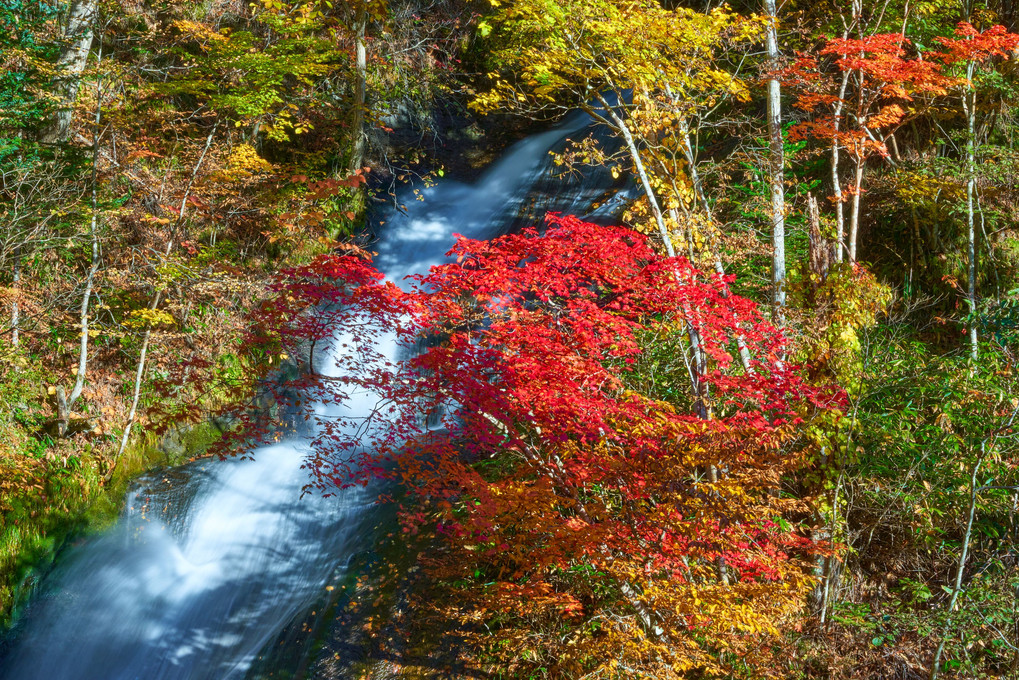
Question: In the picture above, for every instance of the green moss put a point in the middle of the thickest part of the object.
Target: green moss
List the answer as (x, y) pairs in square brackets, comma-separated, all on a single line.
[(68, 500)]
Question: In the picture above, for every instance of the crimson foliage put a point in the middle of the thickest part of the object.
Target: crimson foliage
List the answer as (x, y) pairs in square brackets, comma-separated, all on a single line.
[(547, 460)]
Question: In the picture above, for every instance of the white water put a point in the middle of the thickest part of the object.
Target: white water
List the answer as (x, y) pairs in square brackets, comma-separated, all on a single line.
[(210, 564)]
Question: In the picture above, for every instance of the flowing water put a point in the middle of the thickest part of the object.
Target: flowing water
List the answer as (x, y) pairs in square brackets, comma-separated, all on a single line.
[(210, 562)]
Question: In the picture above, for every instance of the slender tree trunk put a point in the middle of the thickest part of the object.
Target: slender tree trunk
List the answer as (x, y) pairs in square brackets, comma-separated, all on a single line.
[(820, 251), (830, 569), (840, 219), (840, 214), (701, 406), (777, 170), (638, 164), (78, 35), (142, 356), (64, 406), (957, 587), (15, 306), (699, 358), (139, 374), (854, 217), (695, 178), (969, 104), (79, 381), (79, 378), (695, 175), (63, 412)]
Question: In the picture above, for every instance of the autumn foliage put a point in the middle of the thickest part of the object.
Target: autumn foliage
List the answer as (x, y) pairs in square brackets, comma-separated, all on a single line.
[(586, 524), (885, 82), (596, 480), (973, 45)]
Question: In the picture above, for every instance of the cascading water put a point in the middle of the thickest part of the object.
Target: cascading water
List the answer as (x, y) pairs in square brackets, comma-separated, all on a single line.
[(211, 561)]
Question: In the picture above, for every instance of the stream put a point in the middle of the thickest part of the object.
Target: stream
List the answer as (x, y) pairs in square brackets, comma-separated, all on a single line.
[(211, 562)]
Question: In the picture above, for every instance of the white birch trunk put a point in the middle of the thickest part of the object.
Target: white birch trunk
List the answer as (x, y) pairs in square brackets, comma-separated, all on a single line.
[(15, 307), (840, 217), (854, 216), (961, 567), (78, 35), (133, 413), (83, 326), (777, 169), (969, 104), (854, 219), (840, 214)]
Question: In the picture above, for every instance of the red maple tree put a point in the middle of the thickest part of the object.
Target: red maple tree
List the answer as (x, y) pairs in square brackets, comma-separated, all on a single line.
[(566, 492), (860, 105)]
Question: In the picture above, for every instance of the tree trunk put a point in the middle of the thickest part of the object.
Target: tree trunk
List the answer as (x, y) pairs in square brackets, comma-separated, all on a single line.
[(840, 218), (831, 569), (777, 170), (15, 307), (638, 164), (695, 178), (132, 414), (854, 217), (360, 83), (969, 104), (78, 35), (961, 567), (79, 378), (840, 214), (140, 369), (63, 413), (861, 159), (699, 358), (819, 249)]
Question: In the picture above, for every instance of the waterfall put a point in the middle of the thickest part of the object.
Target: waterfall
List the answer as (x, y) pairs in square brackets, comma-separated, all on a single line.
[(211, 561)]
